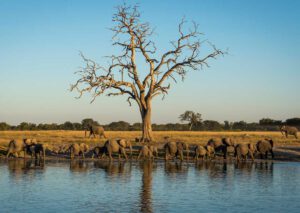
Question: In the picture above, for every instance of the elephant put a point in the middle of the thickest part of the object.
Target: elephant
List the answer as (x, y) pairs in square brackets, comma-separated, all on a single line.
[(148, 151), (210, 151), (145, 152), (175, 149), (216, 144), (243, 150), (264, 147), (228, 141), (95, 130), (78, 149), (112, 146), (38, 150), (16, 147), (289, 130), (98, 151), (125, 144), (30, 141), (200, 151), (154, 150)]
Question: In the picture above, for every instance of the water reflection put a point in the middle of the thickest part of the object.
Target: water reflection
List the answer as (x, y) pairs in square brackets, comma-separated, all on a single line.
[(147, 168), (78, 166), (149, 186), (19, 168)]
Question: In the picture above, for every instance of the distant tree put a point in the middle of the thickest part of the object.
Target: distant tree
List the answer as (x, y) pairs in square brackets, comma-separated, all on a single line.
[(27, 126), (68, 126), (211, 125), (119, 126), (87, 122), (239, 125), (293, 121), (227, 125), (4, 126), (191, 117), (269, 121)]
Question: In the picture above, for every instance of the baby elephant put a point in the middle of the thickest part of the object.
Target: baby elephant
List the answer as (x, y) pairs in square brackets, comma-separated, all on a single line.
[(125, 144), (148, 151), (174, 149), (15, 148), (78, 149), (200, 151), (243, 150), (98, 151), (264, 147), (145, 152)]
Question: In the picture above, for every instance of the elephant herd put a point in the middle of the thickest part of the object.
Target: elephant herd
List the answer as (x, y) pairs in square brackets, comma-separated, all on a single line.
[(224, 147)]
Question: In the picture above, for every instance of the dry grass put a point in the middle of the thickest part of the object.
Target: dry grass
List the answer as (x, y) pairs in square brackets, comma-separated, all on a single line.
[(67, 137)]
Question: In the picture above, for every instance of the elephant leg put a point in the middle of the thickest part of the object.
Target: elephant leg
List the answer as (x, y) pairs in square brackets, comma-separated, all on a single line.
[(7, 154), (261, 156), (296, 136), (93, 155), (166, 154), (181, 156), (124, 153), (251, 155), (130, 147), (286, 134), (272, 153), (266, 155), (187, 155), (196, 156), (140, 154)]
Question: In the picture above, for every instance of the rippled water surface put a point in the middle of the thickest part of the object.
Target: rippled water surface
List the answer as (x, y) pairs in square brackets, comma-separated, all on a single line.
[(78, 186)]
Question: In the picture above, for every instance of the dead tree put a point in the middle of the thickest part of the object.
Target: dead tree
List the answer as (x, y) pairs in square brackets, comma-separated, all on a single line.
[(124, 75)]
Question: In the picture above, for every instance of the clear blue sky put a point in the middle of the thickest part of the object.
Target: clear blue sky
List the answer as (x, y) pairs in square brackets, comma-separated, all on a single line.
[(40, 40)]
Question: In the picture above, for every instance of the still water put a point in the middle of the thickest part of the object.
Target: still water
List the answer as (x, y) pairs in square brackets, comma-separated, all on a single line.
[(101, 186)]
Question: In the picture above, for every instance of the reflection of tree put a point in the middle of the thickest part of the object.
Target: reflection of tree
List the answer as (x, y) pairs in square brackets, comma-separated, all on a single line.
[(146, 189)]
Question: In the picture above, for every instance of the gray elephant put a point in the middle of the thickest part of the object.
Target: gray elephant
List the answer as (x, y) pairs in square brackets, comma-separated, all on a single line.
[(112, 146), (242, 151), (98, 151), (210, 151), (200, 151), (216, 144), (289, 130), (16, 147), (145, 152), (78, 149), (38, 150), (95, 130), (175, 149), (125, 144), (264, 147)]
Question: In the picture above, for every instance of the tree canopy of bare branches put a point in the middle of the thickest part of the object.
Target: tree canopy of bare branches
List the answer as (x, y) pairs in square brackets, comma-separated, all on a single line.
[(124, 76)]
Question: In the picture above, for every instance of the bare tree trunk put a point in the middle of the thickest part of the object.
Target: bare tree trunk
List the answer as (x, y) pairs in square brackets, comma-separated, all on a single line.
[(147, 125), (191, 126)]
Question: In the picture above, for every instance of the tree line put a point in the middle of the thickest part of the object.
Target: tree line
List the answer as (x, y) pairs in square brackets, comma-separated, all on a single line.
[(264, 124)]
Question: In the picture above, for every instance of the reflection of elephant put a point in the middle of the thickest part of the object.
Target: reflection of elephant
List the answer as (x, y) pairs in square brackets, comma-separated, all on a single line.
[(110, 167), (95, 130), (243, 150), (15, 148), (76, 149), (289, 130), (125, 144), (264, 147), (175, 149), (78, 166), (112, 146)]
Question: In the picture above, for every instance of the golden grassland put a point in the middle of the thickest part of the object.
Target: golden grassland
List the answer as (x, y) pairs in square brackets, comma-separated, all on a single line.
[(68, 137)]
